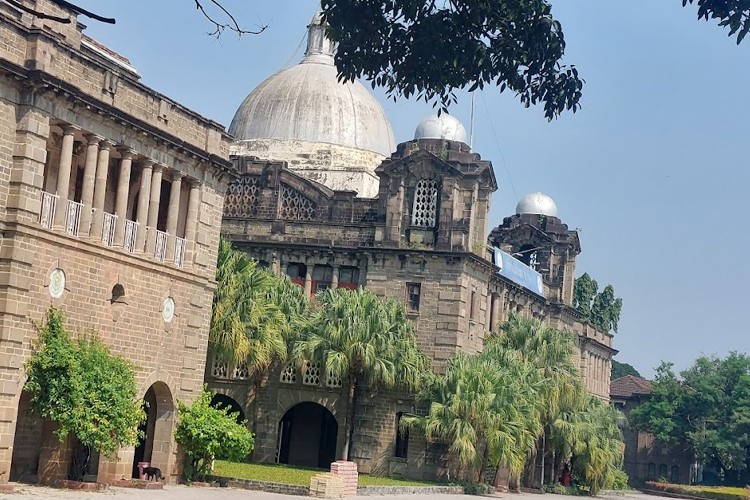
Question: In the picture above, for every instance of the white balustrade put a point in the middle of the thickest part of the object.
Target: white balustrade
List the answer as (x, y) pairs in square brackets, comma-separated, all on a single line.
[(131, 231), (160, 248), (47, 215), (73, 217), (109, 222), (180, 244)]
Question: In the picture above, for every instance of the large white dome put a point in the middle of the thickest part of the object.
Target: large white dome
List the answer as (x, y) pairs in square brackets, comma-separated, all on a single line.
[(537, 203), (307, 102), (444, 126)]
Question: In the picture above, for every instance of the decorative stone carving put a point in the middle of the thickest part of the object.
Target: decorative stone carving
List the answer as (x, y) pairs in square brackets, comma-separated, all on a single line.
[(242, 197), (424, 213), (295, 205)]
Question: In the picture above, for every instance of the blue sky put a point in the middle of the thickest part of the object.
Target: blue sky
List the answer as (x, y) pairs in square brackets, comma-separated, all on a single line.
[(653, 170)]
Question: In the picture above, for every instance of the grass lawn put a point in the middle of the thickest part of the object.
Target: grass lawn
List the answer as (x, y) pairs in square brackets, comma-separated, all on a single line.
[(295, 475)]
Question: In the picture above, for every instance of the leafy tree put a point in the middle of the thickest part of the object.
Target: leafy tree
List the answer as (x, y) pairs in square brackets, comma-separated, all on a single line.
[(732, 14), (707, 407), (206, 433), (622, 370), (601, 309), (584, 290), (79, 384), (363, 339)]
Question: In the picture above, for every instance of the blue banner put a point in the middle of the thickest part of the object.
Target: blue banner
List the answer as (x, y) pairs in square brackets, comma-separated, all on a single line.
[(518, 272)]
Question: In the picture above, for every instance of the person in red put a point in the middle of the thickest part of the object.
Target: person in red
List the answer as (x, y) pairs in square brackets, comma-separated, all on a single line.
[(565, 477)]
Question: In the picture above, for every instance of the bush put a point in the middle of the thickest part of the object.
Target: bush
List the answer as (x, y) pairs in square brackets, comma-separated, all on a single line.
[(621, 480), (206, 432), (89, 392), (559, 489), (711, 492), (477, 488)]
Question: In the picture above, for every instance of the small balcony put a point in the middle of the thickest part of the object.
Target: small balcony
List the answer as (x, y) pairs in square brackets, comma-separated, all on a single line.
[(73, 218), (47, 215), (109, 223), (160, 248), (131, 232), (180, 244)]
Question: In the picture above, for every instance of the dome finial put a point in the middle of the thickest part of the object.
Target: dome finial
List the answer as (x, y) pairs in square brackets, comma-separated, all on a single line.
[(319, 48), (444, 126), (537, 204)]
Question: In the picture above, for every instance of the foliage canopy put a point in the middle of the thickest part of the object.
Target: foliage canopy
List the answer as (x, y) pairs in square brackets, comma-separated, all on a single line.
[(602, 309), (79, 384), (206, 432)]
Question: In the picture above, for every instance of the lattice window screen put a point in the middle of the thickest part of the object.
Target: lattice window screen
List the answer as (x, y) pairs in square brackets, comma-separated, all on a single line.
[(424, 213), (288, 374), (241, 371), (219, 369), (311, 373), (295, 205), (242, 197), (333, 380)]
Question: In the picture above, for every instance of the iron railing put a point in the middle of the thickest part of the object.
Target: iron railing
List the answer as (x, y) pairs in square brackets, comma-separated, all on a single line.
[(131, 232), (49, 204), (180, 244), (73, 218), (160, 248), (109, 223)]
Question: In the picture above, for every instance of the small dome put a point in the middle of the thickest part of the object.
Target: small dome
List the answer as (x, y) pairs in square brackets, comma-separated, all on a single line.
[(441, 127), (537, 203), (307, 102)]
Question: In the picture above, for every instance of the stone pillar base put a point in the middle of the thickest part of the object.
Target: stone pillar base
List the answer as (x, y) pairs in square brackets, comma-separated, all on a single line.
[(116, 468)]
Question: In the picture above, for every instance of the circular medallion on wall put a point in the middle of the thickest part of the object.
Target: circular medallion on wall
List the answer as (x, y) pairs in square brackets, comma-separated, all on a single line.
[(57, 283), (167, 311)]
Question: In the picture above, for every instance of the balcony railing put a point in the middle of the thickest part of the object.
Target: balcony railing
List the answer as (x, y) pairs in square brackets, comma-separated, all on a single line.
[(73, 218), (109, 223), (47, 215), (131, 231), (160, 248), (180, 244)]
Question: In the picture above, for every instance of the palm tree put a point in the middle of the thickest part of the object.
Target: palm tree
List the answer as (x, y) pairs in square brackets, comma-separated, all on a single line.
[(363, 339), (247, 324), (551, 353)]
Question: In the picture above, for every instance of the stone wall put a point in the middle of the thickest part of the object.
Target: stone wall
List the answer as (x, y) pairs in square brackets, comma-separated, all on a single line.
[(152, 311)]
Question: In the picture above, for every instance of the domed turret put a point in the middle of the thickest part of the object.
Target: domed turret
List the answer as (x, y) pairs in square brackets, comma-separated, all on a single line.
[(307, 102), (444, 126), (537, 203)]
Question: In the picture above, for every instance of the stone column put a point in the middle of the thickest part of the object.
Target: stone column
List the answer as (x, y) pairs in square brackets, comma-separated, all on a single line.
[(100, 188), (308, 282), (144, 195), (191, 221), (89, 176), (153, 207), (63, 174), (173, 213), (123, 188), (495, 311), (335, 278)]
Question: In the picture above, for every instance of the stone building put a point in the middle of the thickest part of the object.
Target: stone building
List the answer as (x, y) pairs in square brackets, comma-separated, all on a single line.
[(647, 459), (325, 197), (111, 198)]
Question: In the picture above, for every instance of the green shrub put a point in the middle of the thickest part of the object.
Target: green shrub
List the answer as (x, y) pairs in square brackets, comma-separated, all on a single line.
[(206, 432), (477, 488), (89, 392), (559, 489), (710, 492), (621, 480)]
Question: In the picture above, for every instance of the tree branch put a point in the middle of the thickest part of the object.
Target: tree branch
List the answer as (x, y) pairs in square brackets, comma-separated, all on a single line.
[(231, 25), (36, 13)]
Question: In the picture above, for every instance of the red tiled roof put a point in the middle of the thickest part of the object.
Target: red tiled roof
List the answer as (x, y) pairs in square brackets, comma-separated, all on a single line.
[(628, 385)]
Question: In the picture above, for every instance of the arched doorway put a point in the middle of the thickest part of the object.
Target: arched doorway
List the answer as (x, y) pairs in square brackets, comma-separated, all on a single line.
[(156, 445), (307, 436), (27, 443), (222, 401)]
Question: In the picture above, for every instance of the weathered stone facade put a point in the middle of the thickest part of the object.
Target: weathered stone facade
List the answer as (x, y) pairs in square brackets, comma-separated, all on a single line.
[(111, 198), (423, 240)]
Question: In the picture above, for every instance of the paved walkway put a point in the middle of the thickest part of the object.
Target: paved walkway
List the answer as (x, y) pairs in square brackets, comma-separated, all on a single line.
[(185, 493)]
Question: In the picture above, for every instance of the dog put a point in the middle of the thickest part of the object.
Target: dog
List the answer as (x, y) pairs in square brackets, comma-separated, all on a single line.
[(152, 473)]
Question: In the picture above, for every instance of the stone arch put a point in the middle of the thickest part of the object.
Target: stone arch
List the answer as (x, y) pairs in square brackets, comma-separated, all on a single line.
[(223, 401), (27, 441), (307, 436), (155, 447)]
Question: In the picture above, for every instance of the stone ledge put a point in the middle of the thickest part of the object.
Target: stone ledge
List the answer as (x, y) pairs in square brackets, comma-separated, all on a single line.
[(138, 484), (410, 490), (66, 484), (251, 484), (7, 488)]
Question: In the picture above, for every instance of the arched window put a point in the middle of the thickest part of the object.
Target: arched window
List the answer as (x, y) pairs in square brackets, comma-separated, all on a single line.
[(674, 477), (402, 438), (651, 472), (663, 471), (424, 212)]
